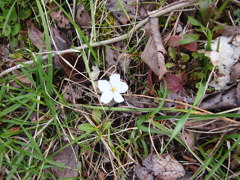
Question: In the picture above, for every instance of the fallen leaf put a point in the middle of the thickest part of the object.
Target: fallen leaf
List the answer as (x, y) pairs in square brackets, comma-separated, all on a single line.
[(238, 93), (36, 36), (174, 82), (72, 93), (153, 54), (134, 8), (61, 20), (189, 139), (142, 173), (66, 157), (14, 129), (163, 167), (235, 72), (230, 30), (115, 57), (73, 66), (82, 17), (61, 41), (22, 78), (220, 100)]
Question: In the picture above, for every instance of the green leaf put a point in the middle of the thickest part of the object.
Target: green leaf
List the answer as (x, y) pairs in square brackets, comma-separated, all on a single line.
[(7, 30), (216, 28), (14, 42), (172, 53), (24, 13), (206, 10), (194, 22), (106, 125), (15, 29), (97, 115), (11, 13), (189, 38), (185, 57), (87, 127)]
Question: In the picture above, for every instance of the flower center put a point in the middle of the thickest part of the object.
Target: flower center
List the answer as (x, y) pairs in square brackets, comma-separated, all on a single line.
[(113, 89)]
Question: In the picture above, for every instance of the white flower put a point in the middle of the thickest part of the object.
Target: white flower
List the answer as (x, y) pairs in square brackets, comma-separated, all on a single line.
[(112, 89)]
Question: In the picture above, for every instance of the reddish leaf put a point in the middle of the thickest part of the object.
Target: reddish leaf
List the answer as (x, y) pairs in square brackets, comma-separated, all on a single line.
[(174, 43), (191, 46), (174, 83)]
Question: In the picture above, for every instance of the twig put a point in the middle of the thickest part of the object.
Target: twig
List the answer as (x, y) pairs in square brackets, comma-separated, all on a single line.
[(236, 2), (169, 8)]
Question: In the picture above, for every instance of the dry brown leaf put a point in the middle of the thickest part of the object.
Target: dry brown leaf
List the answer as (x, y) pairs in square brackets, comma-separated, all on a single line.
[(36, 36), (153, 54), (230, 30), (67, 158), (238, 93), (82, 17), (189, 139), (22, 78), (134, 8), (235, 73), (115, 57), (163, 167), (72, 66), (61, 20), (60, 39), (220, 100), (73, 93)]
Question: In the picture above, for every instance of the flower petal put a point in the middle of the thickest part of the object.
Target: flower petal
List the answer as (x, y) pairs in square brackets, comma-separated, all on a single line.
[(114, 79), (106, 97), (121, 87), (118, 97), (104, 85)]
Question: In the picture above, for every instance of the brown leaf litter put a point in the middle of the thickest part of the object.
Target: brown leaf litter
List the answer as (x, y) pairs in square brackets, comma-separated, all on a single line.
[(164, 167), (82, 17), (116, 59), (134, 8), (36, 36), (57, 14), (154, 51), (67, 157)]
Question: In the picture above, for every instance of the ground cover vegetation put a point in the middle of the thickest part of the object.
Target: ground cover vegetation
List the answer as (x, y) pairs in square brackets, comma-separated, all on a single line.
[(119, 89)]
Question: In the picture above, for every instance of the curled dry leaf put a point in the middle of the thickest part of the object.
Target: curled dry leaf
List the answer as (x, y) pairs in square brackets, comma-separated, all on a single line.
[(82, 17), (134, 8), (36, 36), (61, 20), (73, 66), (163, 167), (153, 54)]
